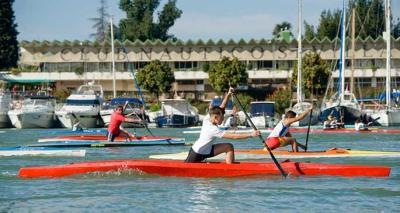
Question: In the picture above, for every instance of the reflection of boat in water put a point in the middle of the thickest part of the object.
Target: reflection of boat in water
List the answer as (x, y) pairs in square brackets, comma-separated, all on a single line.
[(133, 109), (35, 112), (177, 113), (262, 113), (83, 106), (342, 104)]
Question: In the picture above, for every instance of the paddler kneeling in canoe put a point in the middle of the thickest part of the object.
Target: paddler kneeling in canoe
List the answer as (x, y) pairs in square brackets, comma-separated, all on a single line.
[(204, 147), (281, 137), (114, 128)]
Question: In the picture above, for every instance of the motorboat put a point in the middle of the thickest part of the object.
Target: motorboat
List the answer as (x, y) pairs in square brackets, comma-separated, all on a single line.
[(34, 112), (177, 113), (83, 107), (262, 113), (133, 109)]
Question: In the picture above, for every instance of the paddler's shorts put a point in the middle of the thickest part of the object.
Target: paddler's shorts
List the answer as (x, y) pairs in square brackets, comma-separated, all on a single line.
[(275, 142), (194, 157), (111, 137)]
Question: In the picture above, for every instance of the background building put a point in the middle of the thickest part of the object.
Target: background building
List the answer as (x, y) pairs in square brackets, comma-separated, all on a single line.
[(269, 63)]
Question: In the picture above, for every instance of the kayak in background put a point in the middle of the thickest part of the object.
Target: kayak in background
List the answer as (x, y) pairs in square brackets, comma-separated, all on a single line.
[(104, 138), (21, 151), (204, 170), (104, 143), (246, 130), (345, 130), (257, 154)]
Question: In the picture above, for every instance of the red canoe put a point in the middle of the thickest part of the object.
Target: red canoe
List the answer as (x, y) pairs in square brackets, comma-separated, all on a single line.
[(207, 170), (101, 138), (345, 130)]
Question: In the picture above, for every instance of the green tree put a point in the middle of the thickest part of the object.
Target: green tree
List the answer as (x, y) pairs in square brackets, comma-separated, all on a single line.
[(329, 24), (282, 26), (281, 97), (309, 33), (370, 17), (227, 72), (315, 73), (396, 29), (245, 100), (369, 20), (156, 77), (8, 36), (139, 23), (101, 22)]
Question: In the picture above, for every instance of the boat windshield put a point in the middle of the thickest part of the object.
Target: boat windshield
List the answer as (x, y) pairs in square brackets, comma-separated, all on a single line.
[(262, 109), (82, 102)]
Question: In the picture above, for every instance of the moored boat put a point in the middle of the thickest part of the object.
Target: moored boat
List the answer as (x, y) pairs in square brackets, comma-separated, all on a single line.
[(42, 151), (83, 107), (257, 154), (36, 111), (203, 170)]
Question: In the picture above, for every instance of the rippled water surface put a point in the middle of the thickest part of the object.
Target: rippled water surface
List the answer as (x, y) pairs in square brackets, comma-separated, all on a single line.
[(128, 191)]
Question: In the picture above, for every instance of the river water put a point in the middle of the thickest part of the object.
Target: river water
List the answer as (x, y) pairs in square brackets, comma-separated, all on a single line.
[(132, 192)]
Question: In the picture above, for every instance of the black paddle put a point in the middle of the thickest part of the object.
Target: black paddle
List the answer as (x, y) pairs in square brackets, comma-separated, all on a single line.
[(308, 130), (145, 122), (261, 138)]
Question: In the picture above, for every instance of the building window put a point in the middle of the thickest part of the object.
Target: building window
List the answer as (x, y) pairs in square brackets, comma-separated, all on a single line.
[(92, 67), (262, 65), (284, 65), (185, 65), (104, 67), (120, 67)]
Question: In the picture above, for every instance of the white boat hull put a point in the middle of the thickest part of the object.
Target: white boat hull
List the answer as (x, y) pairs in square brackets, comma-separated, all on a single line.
[(387, 118), (22, 120), (88, 120)]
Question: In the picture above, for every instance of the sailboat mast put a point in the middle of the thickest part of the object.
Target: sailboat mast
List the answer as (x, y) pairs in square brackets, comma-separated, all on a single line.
[(388, 55), (343, 50), (353, 43), (113, 57), (299, 62)]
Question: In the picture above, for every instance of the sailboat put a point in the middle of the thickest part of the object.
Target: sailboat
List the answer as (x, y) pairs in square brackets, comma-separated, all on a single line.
[(343, 104), (390, 116), (301, 106)]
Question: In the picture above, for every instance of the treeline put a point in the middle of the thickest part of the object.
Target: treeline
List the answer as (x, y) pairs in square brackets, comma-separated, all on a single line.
[(369, 21)]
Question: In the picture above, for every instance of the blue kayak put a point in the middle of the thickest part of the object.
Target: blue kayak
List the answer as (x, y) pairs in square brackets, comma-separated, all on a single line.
[(103, 143)]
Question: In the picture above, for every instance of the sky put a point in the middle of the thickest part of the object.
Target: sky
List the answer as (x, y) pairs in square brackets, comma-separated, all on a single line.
[(201, 19)]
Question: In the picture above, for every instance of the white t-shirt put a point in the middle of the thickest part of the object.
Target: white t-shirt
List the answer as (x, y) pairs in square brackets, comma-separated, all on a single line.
[(359, 126), (208, 133), (280, 130)]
